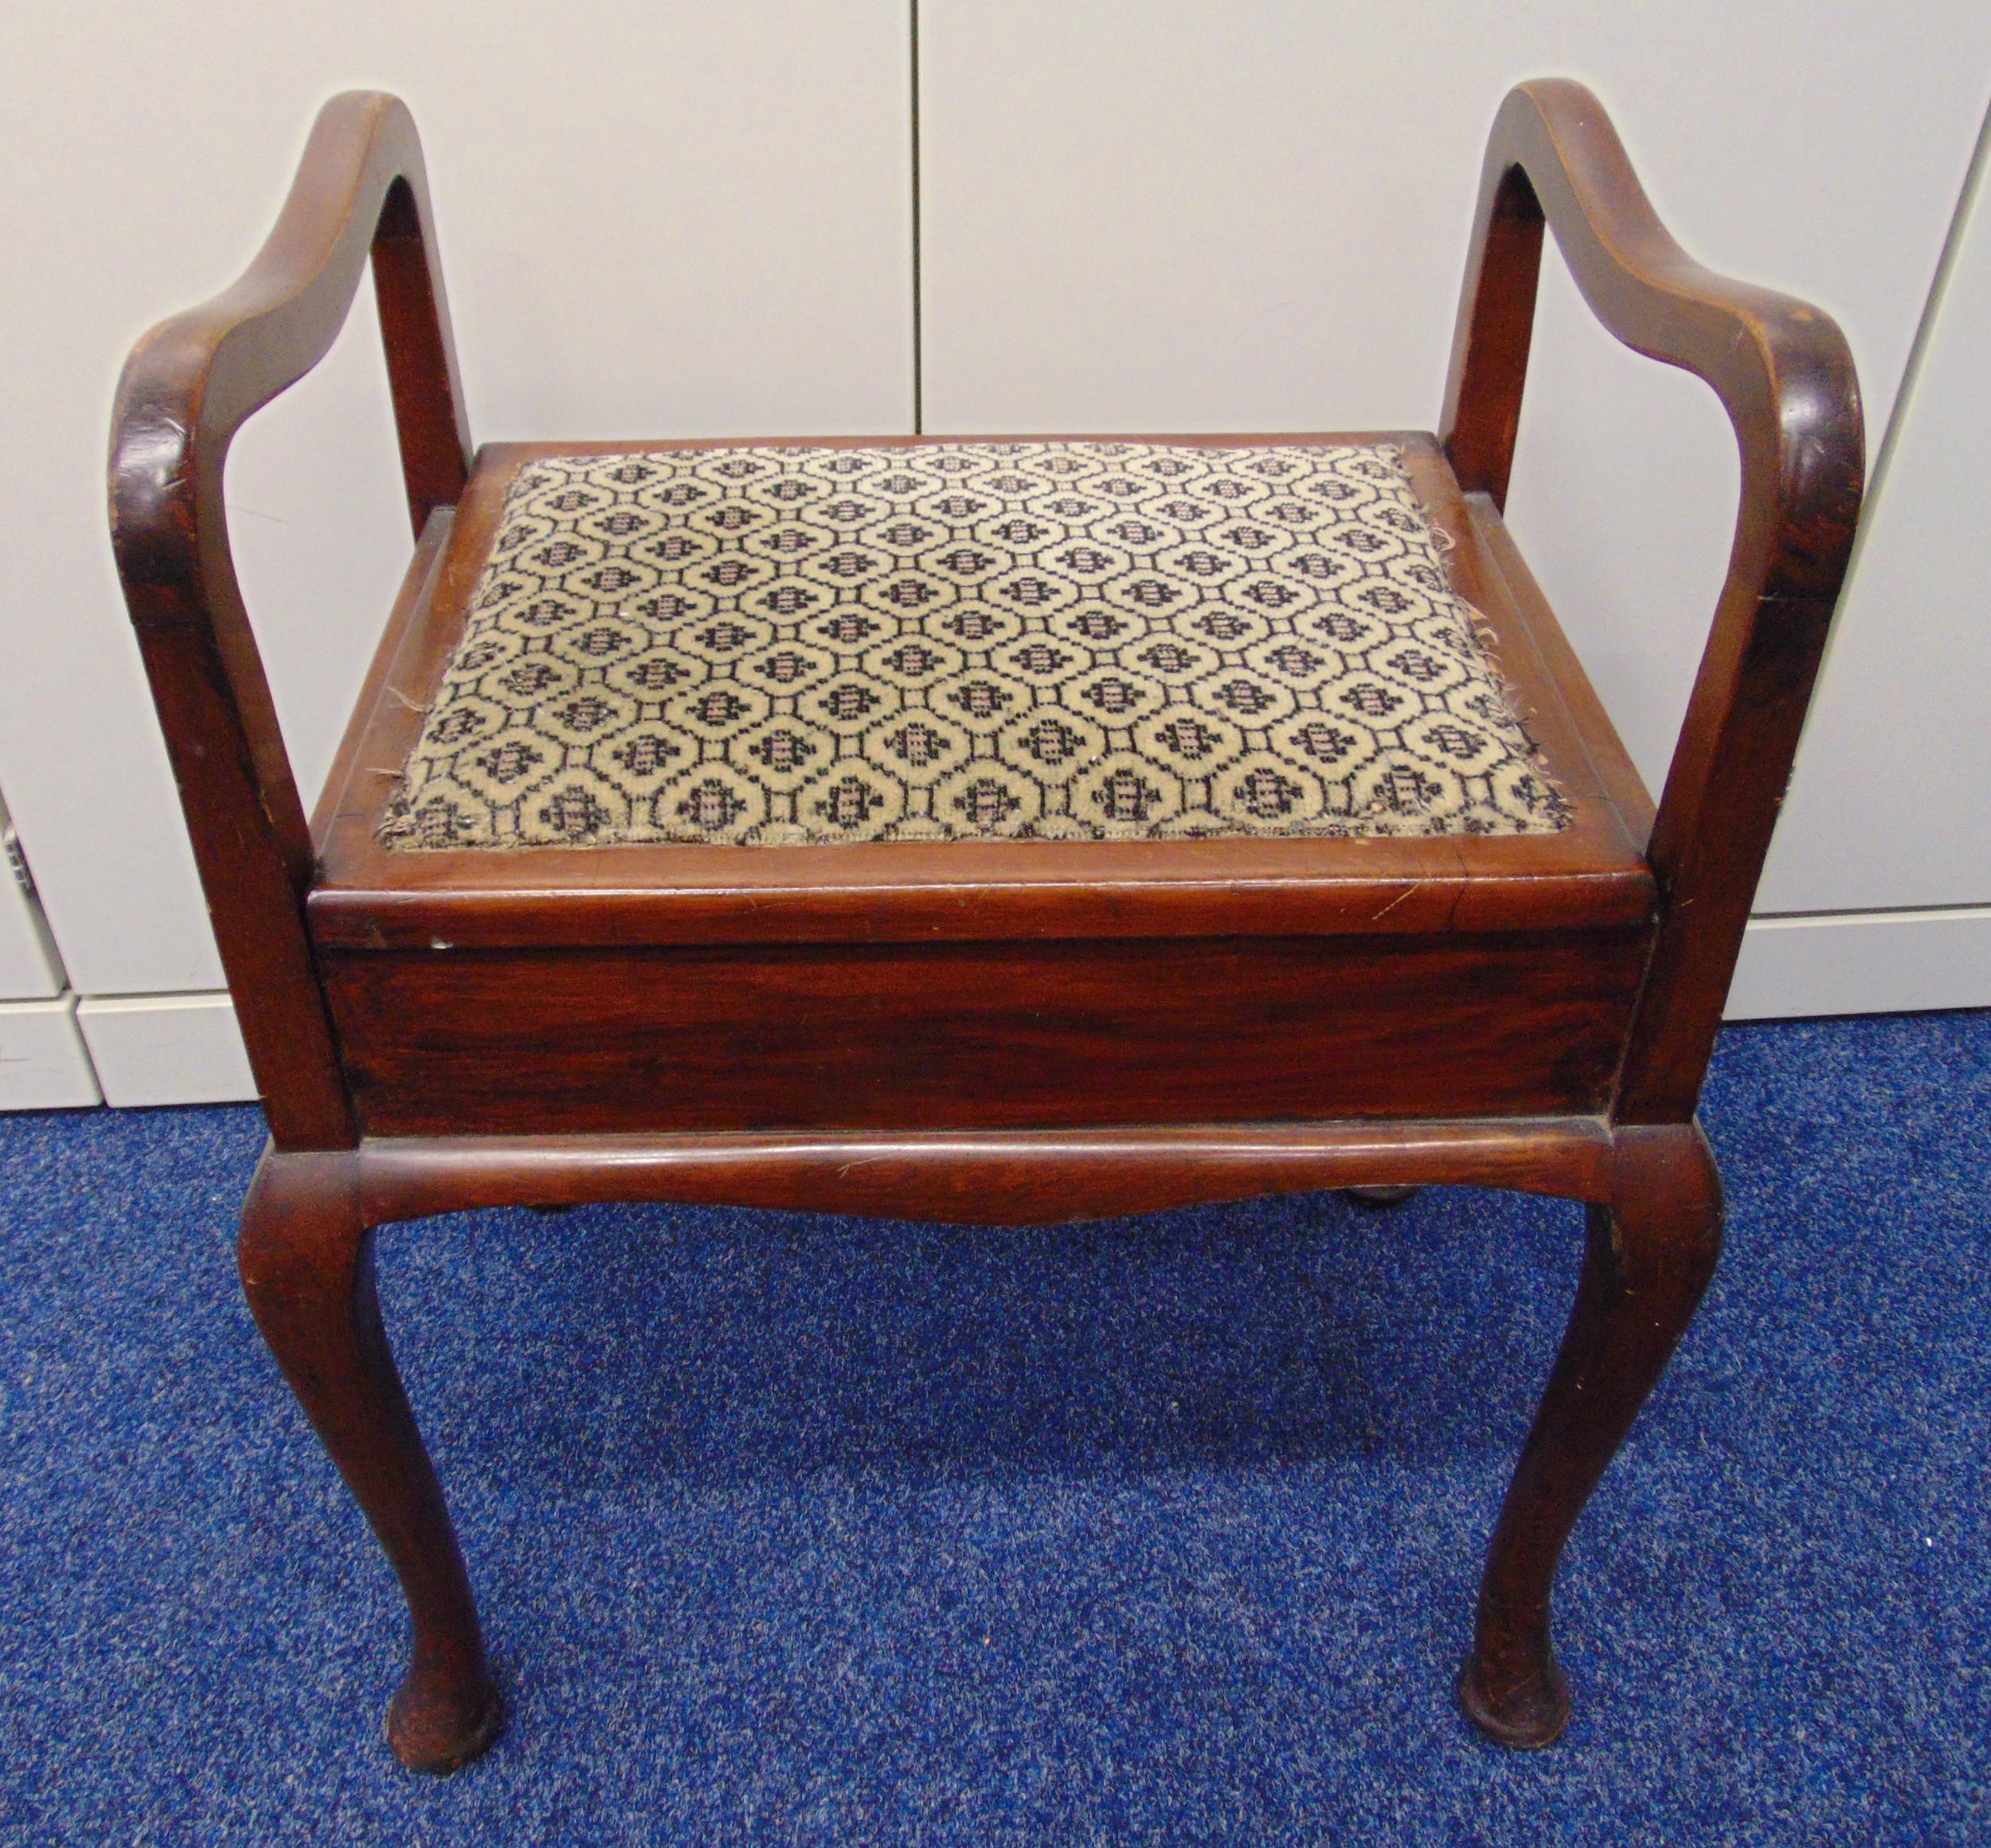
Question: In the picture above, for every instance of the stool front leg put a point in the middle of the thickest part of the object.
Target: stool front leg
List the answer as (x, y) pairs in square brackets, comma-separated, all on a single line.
[(1652, 1250), (306, 1253)]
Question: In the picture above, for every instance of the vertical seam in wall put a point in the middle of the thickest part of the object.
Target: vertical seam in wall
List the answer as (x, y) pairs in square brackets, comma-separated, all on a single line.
[(1974, 182), (919, 409), (15, 865)]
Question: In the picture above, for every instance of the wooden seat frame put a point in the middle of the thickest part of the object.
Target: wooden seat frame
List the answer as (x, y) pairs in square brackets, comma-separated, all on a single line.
[(1020, 1032)]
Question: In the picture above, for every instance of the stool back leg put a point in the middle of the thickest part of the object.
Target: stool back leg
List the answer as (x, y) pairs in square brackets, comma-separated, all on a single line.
[(1651, 1251), (306, 1252)]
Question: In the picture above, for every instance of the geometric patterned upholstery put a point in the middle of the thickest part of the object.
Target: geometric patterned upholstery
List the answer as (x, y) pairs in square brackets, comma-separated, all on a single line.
[(770, 646)]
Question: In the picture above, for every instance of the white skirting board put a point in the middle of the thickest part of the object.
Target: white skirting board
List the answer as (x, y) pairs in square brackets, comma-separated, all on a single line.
[(43, 1066), (166, 1049), (184, 1049), (1863, 962)]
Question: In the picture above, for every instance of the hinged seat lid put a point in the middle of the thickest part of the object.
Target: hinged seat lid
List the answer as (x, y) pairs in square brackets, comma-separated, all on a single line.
[(680, 692)]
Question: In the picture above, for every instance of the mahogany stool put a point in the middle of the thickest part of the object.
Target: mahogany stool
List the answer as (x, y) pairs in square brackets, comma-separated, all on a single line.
[(997, 831)]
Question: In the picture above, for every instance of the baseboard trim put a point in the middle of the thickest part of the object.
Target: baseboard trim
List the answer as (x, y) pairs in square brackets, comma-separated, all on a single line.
[(43, 1066), (1863, 962), (186, 1048), (166, 1049)]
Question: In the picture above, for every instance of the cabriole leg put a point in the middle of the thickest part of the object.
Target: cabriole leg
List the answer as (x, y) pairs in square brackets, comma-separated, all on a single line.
[(1651, 1252), (306, 1260)]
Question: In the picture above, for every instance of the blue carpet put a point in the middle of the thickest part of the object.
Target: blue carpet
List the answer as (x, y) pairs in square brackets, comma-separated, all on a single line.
[(790, 1529)]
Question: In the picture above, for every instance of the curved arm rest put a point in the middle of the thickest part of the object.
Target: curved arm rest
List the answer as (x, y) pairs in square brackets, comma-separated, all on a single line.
[(1785, 376), (186, 388), (360, 191), (1781, 369)]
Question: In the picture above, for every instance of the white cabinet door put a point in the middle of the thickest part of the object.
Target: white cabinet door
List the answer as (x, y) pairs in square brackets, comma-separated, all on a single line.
[(1890, 806), (29, 969), (657, 216), (1253, 216), (1881, 871), (1206, 216), (43, 1065)]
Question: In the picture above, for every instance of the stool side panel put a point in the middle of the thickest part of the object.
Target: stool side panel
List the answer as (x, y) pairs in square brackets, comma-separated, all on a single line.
[(1002, 1034)]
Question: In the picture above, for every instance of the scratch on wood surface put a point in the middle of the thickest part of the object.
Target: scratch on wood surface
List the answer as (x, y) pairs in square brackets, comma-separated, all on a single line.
[(1408, 892)]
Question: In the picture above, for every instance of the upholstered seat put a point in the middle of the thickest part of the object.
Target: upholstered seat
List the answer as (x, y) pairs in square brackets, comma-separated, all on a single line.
[(1039, 640), (668, 676)]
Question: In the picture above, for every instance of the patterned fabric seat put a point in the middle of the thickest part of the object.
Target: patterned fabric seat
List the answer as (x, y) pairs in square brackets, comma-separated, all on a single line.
[(1104, 641)]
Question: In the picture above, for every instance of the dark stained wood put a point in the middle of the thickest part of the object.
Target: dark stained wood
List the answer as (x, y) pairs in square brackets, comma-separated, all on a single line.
[(1722, 800), (417, 591), (975, 1035), (1495, 559), (187, 388), (1651, 1251), (999, 1033), (1784, 373), (429, 417), (307, 1267), (1482, 418), (1591, 875), (253, 900), (982, 1178)]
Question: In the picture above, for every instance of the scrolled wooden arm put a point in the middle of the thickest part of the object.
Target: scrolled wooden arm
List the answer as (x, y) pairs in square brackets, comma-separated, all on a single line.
[(1784, 374), (360, 192)]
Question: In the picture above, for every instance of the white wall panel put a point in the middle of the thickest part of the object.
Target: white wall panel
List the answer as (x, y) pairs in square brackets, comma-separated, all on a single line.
[(1888, 805), (1243, 214), (29, 968), (657, 216)]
